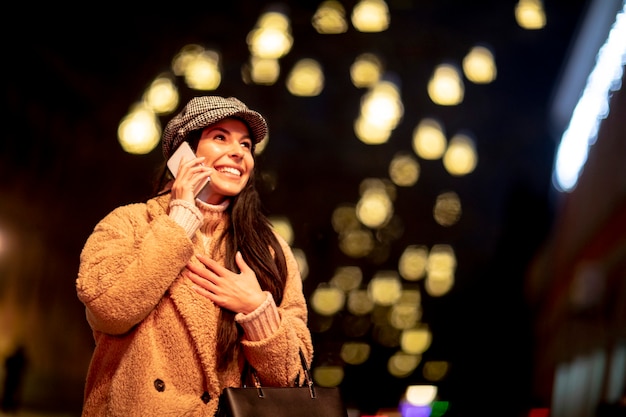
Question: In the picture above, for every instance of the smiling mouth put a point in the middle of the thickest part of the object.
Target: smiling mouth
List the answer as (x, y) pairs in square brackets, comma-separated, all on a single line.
[(229, 170)]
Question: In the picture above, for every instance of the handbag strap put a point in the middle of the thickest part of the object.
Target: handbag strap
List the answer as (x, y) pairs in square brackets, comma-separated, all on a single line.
[(249, 370), (307, 374)]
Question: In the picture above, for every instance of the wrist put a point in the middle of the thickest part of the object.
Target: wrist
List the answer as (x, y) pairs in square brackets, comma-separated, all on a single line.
[(262, 322), (255, 302)]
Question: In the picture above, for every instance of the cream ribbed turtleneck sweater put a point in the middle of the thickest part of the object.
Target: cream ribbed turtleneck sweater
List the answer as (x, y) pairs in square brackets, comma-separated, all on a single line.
[(204, 219)]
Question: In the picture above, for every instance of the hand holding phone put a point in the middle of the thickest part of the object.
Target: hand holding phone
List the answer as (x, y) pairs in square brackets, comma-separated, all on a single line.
[(183, 153)]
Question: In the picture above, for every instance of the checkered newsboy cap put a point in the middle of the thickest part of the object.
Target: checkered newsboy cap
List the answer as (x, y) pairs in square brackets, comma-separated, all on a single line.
[(201, 112)]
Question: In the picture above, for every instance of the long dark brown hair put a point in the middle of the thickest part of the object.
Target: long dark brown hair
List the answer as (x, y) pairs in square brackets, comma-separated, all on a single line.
[(248, 231)]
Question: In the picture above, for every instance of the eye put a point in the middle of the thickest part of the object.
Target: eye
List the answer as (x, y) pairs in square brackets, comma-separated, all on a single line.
[(219, 136), (246, 144)]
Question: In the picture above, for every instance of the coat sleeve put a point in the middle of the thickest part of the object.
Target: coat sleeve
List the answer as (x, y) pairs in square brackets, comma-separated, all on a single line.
[(276, 358), (127, 264)]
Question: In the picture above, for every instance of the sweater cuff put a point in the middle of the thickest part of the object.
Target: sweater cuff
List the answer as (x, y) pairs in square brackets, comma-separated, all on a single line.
[(187, 215), (262, 322)]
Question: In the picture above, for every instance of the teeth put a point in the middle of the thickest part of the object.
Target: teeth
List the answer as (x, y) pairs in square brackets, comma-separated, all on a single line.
[(230, 171)]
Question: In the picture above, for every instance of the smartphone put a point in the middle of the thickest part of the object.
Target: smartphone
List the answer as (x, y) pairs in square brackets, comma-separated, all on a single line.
[(184, 152)]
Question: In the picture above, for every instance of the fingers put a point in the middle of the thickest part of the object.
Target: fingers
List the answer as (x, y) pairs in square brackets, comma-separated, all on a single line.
[(211, 265), (208, 272), (190, 175), (206, 276), (238, 292), (222, 271), (195, 172), (196, 269), (191, 166), (243, 266), (205, 283)]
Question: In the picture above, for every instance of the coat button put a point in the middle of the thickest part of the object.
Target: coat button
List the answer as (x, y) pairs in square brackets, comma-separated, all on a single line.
[(206, 397), (159, 385)]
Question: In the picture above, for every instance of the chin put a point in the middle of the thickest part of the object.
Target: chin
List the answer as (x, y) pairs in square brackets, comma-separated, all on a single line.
[(230, 191)]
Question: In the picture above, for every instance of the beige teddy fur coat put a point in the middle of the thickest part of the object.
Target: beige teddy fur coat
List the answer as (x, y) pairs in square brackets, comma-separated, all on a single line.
[(154, 335)]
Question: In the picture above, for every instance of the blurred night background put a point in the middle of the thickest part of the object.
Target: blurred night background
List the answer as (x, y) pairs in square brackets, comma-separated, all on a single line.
[(529, 319)]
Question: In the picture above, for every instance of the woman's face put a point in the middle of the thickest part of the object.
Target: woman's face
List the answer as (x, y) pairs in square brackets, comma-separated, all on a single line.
[(227, 147)]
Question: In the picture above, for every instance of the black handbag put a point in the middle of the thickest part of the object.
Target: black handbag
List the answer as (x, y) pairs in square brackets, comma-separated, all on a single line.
[(306, 400)]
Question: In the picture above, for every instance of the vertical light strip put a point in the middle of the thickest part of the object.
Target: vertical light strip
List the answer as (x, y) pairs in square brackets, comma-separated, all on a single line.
[(616, 382), (592, 107)]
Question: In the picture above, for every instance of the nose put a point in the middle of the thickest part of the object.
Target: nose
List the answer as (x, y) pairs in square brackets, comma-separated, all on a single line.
[(236, 151)]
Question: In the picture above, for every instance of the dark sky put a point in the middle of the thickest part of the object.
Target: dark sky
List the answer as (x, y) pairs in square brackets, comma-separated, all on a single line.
[(72, 77)]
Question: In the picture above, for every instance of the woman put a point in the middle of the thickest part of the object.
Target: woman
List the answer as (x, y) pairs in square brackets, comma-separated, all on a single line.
[(181, 290)]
